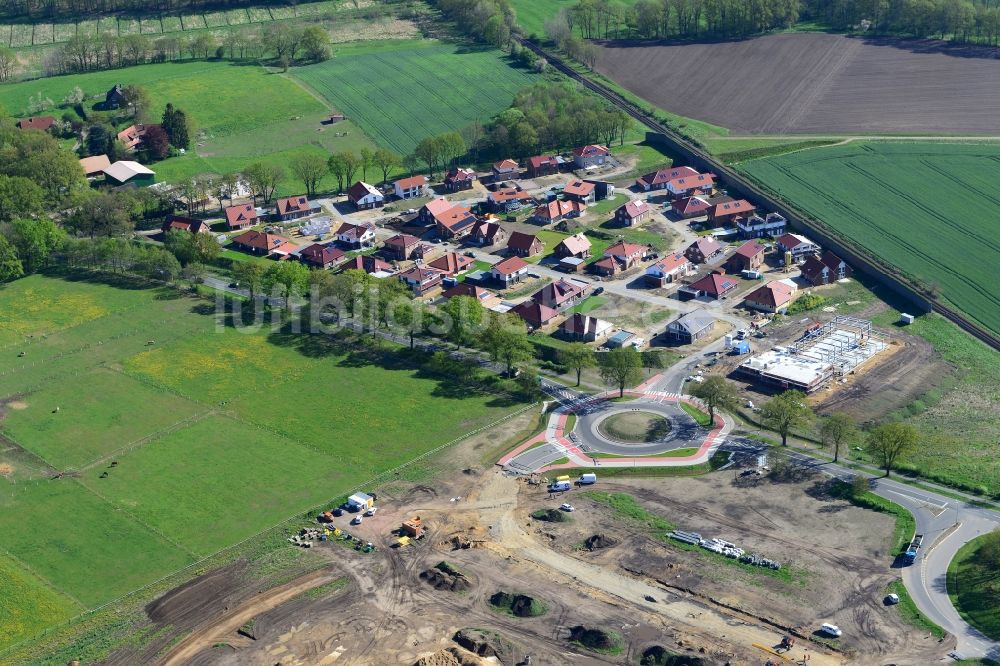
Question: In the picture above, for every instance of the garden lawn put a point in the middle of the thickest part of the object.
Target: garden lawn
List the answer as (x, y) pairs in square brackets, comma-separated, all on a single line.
[(888, 198), (400, 92), (974, 588), (27, 604)]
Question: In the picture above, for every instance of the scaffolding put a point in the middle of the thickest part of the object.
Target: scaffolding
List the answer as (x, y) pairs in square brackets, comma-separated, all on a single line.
[(844, 342)]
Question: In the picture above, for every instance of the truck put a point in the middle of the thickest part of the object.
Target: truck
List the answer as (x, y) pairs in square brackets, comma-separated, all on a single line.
[(913, 549), (587, 479), (560, 486)]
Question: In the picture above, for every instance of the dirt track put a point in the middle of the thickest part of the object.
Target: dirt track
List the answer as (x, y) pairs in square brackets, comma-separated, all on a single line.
[(816, 83)]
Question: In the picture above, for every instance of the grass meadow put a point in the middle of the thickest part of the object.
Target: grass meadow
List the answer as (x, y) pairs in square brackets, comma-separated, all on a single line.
[(177, 436), (926, 208), (974, 587), (402, 91)]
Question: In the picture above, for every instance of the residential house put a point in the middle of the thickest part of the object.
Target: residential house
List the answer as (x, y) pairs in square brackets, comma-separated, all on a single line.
[(577, 245), (402, 247), (505, 169), (456, 222), (688, 207), (603, 189), (585, 328), (580, 190), (409, 188), (125, 171), (241, 216), (799, 246), (687, 186), (293, 208), (510, 270), (485, 297), (258, 242), (356, 236), (458, 179), (94, 165), (725, 212), (669, 269), (524, 245), (542, 166), (658, 179), (825, 269), (451, 264), (189, 224), (704, 249), (772, 297), (558, 210), (585, 157), (690, 327), (114, 98), (365, 196), (133, 135), (421, 279), (428, 213), (619, 257), (715, 285), (321, 255), (368, 263), (508, 199), (42, 123), (747, 257), (755, 226), (487, 233), (534, 314), (634, 213), (560, 294)]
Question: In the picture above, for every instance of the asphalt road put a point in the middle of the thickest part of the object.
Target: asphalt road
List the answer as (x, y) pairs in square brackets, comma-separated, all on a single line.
[(684, 432)]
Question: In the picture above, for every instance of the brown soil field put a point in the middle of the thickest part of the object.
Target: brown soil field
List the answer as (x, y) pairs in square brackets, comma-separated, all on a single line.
[(816, 83)]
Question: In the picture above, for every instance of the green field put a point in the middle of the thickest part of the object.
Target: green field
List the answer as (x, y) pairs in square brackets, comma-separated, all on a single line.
[(974, 588), (402, 91), (532, 14), (926, 208), (179, 437)]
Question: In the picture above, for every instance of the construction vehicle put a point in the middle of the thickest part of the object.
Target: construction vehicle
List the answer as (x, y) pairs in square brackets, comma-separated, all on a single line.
[(913, 549)]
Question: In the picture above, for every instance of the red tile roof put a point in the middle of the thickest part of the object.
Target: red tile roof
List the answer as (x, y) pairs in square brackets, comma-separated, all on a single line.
[(706, 245), (749, 249), (773, 294), (451, 263), (488, 231), (622, 250), (591, 151), (321, 254), (534, 313), (636, 208), (579, 188), (576, 244), (690, 205), (715, 284), (420, 274), (505, 165), (508, 194), (259, 240), (556, 293), (360, 190), (696, 181), (437, 206), (542, 160), (39, 123), (355, 232), (367, 263), (460, 175), (509, 266), (521, 241), (292, 205), (469, 289), (95, 164), (411, 182), (663, 176), (402, 241), (455, 218), (559, 208), (671, 262), (240, 215), (733, 208)]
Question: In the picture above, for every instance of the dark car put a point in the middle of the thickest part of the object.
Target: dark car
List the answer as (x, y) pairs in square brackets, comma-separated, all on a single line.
[(338, 512), (598, 291)]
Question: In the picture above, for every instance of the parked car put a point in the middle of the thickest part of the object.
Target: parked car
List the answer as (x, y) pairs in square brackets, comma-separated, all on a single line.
[(830, 630), (892, 599), (338, 512), (357, 520), (598, 291), (371, 511), (566, 507), (470, 253)]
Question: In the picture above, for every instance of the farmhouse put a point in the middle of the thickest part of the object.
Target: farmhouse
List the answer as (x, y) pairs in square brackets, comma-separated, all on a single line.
[(542, 166), (712, 286), (620, 257), (409, 188), (133, 135), (94, 165), (534, 314), (508, 199), (178, 223), (365, 196), (258, 242), (505, 169), (658, 179), (524, 245), (487, 233), (725, 212), (485, 297), (586, 328), (590, 156), (690, 327), (747, 257), (451, 263), (825, 269), (704, 249), (772, 297), (670, 268), (321, 255), (577, 246), (115, 97), (402, 247), (125, 171), (356, 236), (509, 271), (799, 246), (241, 216), (560, 294), (421, 279), (690, 206), (42, 123), (755, 226), (580, 190), (633, 213), (458, 179), (558, 210), (369, 264)]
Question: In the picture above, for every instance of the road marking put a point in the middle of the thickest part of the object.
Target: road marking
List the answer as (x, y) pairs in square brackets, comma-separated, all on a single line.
[(916, 497)]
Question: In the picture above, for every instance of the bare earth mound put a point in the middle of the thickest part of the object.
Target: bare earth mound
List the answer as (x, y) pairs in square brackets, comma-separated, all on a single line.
[(817, 83)]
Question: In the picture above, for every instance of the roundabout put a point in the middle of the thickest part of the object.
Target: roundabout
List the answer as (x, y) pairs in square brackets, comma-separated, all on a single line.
[(646, 426), (634, 427)]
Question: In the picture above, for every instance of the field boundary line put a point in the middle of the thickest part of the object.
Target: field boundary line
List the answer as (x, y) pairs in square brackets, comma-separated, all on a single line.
[(44, 579), (266, 530)]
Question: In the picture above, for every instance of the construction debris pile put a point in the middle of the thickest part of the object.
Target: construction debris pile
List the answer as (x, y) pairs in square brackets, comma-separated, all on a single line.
[(726, 548), (306, 536)]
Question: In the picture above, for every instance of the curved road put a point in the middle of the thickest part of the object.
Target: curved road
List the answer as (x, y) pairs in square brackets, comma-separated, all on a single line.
[(684, 432)]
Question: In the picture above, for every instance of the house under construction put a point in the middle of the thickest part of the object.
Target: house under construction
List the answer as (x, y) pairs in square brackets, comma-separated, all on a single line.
[(835, 348)]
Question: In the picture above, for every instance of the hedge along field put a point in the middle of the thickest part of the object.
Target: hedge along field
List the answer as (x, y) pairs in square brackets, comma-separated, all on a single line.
[(400, 92), (927, 208)]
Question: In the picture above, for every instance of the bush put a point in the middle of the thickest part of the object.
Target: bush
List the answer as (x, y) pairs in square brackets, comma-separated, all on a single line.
[(806, 302)]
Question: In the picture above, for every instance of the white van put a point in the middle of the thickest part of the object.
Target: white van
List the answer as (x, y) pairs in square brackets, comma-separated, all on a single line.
[(560, 486), (587, 479)]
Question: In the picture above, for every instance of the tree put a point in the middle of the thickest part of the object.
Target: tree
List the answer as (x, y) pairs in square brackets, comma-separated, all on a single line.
[(263, 179), (10, 265), (8, 61), (836, 430), (384, 301), (99, 140), (505, 338), (101, 215), (888, 442), (20, 197), (386, 161), (784, 412), (169, 119), (180, 244), (310, 169), (411, 317), (335, 164), (35, 241), (315, 43), (156, 143), (181, 136), (137, 99), (203, 45), (716, 393), (348, 164), (621, 367), (227, 187), (288, 277), (462, 315), (250, 276), (410, 163), (367, 161), (577, 356), (428, 151)]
